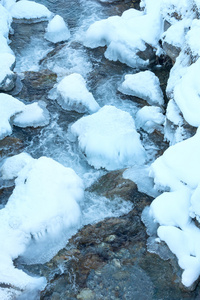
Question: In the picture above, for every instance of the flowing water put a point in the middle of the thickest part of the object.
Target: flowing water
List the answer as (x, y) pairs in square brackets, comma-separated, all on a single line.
[(35, 54)]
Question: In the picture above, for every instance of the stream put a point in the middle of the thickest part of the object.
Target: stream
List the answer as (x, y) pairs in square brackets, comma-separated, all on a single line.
[(39, 65)]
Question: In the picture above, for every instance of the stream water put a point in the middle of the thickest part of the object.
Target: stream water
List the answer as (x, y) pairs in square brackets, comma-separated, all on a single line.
[(35, 54)]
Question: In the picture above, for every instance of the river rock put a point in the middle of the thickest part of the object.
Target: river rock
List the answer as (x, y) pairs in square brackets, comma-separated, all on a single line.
[(109, 260), (36, 85)]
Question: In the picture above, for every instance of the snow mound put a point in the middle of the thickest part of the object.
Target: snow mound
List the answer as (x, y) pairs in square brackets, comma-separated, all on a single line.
[(28, 115), (144, 85), (45, 199), (5, 21), (127, 35), (57, 30), (29, 10), (177, 171), (33, 115), (109, 139), (150, 118), (186, 94), (73, 94)]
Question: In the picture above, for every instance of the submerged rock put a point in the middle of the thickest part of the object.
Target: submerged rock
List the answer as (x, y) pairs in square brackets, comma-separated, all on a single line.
[(109, 260), (37, 84)]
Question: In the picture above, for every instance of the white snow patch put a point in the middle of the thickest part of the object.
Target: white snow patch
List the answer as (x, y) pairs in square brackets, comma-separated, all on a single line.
[(74, 95), (57, 30), (144, 85), (125, 36), (109, 139), (45, 200), (33, 115), (29, 10), (29, 115), (150, 118)]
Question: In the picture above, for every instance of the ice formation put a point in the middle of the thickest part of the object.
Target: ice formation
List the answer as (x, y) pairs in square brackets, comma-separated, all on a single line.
[(57, 30), (109, 139), (24, 115), (144, 85), (74, 95), (45, 200)]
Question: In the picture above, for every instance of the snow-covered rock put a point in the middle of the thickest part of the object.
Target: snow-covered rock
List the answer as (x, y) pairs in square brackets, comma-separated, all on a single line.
[(44, 201), (57, 30), (33, 115), (150, 118), (5, 21), (7, 76), (24, 9), (109, 139), (177, 171), (144, 85), (74, 95), (128, 35), (23, 115)]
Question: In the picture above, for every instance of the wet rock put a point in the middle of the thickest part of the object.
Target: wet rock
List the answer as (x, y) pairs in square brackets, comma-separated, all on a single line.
[(8, 83), (148, 54), (113, 184), (10, 146), (36, 85), (109, 260), (172, 51)]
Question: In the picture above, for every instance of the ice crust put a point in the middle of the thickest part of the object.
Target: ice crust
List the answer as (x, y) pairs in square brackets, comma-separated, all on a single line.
[(109, 139), (57, 30), (74, 95), (45, 200)]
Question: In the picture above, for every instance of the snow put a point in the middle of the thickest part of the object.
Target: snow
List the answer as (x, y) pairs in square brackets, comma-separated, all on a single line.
[(175, 35), (186, 94), (7, 61), (125, 36), (74, 95), (29, 10), (34, 115), (191, 37), (109, 139), (28, 115), (45, 199), (144, 85), (57, 30), (178, 171), (150, 118), (5, 21)]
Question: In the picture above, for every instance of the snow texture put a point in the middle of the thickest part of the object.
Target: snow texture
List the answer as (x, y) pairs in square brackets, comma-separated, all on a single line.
[(178, 169), (127, 35), (24, 115), (144, 85), (29, 10), (74, 95), (45, 199), (109, 139), (150, 118), (57, 30)]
